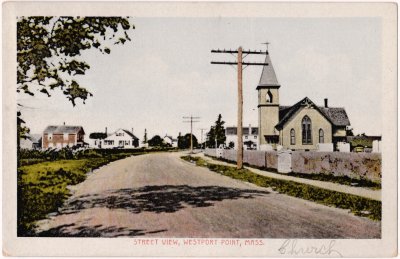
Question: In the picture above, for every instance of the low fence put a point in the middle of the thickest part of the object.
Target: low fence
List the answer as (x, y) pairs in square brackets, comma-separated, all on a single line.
[(353, 165)]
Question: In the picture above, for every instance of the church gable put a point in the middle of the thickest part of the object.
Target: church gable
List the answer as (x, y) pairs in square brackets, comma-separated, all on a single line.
[(305, 128), (288, 113), (336, 116)]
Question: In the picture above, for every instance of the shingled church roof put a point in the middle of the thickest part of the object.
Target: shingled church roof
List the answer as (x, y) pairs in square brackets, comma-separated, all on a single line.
[(268, 76), (335, 115)]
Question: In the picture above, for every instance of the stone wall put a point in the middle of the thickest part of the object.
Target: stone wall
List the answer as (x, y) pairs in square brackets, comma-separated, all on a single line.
[(230, 155), (271, 160), (254, 158), (210, 152), (354, 165)]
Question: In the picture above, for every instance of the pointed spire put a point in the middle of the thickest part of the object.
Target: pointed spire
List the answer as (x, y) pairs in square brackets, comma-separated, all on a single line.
[(268, 76)]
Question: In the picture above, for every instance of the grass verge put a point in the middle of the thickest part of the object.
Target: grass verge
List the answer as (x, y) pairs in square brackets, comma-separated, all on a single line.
[(42, 187), (357, 205)]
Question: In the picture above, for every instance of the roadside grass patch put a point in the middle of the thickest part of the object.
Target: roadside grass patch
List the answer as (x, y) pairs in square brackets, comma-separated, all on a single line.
[(42, 187), (345, 180), (359, 206)]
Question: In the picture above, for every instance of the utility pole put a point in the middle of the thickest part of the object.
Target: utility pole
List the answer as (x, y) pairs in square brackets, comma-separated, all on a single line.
[(201, 146), (192, 120), (240, 68)]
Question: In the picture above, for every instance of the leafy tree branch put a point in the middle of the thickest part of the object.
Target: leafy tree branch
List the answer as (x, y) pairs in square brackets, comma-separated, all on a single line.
[(48, 51)]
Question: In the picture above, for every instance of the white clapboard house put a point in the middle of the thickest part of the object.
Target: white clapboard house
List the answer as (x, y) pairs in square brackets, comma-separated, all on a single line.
[(250, 137), (170, 140), (120, 139)]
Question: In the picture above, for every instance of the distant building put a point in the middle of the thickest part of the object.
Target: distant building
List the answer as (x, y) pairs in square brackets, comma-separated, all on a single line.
[(96, 139), (364, 143), (63, 136), (120, 139), (301, 126), (171, 141), (32, 141), (250, 137)]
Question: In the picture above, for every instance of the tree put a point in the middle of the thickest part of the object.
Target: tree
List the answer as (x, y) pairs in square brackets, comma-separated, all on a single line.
[(48, 47), (217, 132), (349, 132), (145, 136), (22, 133), (98, 135), (180, 141), (184, 141), (156, 141)]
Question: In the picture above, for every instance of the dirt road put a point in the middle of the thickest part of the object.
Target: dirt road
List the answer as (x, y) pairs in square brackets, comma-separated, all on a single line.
[(160, 195)]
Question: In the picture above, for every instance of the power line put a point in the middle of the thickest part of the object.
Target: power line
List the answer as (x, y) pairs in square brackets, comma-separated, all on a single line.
[(201, 146), (240, 68), (192, 120)]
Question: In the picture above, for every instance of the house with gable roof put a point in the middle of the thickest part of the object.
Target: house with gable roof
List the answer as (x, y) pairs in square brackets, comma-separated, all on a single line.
[(301, 126), (121, 138), (31, 141), (170, 140), (63, 136)]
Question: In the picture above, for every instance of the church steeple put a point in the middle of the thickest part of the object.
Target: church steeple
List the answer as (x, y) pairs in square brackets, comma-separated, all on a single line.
[(268, 76), (268, 104)]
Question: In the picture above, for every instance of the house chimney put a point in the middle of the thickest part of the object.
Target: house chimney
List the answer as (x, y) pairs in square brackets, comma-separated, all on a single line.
[(106, 130), (64, 123), (326, 102)]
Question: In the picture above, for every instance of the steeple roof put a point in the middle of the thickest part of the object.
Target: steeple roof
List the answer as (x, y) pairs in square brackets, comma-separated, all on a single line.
[(268, 76)]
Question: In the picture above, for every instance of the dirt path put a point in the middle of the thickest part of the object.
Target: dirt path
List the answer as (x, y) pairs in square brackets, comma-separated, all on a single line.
[(160, 195)]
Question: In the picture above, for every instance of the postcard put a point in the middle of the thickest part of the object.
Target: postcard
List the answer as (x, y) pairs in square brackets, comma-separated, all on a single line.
[(238, 129)]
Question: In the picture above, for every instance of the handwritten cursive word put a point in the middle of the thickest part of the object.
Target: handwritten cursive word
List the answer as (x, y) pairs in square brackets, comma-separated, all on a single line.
[(290, 247)]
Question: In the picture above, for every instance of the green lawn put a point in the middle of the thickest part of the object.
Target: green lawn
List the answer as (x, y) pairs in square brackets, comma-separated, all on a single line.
[(358, 205)]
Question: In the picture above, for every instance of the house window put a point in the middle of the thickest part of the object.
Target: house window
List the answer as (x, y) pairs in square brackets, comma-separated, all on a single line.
[(108, 142), (321, 136), (50, 136), (306, 130), (292, 137), (255, 137), (246, 137), (121, 143)]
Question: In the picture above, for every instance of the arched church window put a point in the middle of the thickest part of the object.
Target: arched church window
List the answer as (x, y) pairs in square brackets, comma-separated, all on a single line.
[(269, 97), (306, 130), (292, 137), (321, 136)]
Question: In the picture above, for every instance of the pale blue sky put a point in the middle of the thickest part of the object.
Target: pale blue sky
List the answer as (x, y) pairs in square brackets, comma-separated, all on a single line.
[(165, 73)]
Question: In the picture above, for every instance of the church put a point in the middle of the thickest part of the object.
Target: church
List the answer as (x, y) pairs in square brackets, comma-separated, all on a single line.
[(302, 126)]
